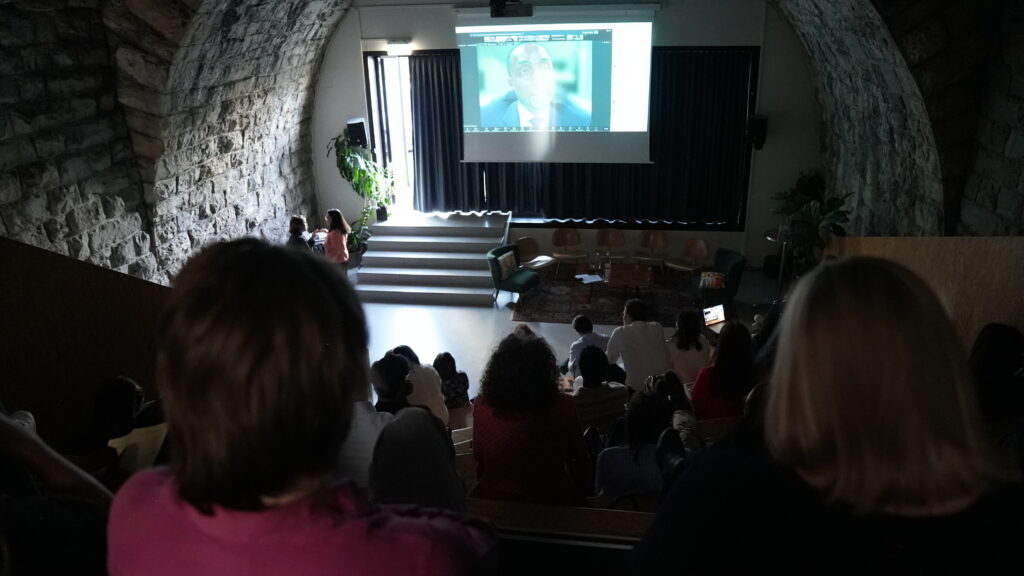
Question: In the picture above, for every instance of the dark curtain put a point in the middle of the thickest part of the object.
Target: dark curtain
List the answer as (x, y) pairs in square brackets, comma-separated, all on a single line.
[(700, 100)]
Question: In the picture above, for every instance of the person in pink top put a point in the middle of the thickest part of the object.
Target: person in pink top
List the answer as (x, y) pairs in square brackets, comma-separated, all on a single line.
[(258, 400), (336, 243)]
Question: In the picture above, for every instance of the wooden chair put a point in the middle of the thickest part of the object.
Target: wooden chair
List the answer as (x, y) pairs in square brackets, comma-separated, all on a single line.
[(529, 254), (692, 254), (713, 429), (566, 242), (461, 417), (652, 249), (611, 244)]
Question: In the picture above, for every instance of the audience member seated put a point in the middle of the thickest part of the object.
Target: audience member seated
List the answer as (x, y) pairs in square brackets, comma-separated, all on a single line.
[(426, 384), (389, 379), (684, 422), (335, 237), (639, 344), (632, 469), (298, 236), (358, 448), (454, 382), (877, 457), (598, 402), (118, 399), (688, 349), (585, 328), (721, 387), (527, 440), (256, 428), (997, 364), (414, 463), (52, 514)]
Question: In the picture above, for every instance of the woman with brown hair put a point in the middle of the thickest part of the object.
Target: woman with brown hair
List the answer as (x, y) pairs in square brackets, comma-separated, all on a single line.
[(721, 387), (877, 460), (260, 355), (527, 440)]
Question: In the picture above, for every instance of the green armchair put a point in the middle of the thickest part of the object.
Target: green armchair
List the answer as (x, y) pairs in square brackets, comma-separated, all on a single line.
[(519, 280)]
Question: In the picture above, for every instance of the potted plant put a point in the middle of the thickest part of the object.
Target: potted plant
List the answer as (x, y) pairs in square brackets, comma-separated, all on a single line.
[(370, 180), (812, 218)]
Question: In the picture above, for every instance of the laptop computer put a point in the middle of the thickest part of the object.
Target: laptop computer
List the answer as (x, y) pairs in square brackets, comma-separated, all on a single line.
[(714, 318)]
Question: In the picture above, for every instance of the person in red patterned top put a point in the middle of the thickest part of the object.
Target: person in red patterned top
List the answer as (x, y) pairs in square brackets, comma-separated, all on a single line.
[(721, 387), (526, 437), (258, 399)]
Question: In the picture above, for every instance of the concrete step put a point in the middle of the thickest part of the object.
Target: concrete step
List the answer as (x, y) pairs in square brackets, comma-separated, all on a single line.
[(453, 296), (433, 260), (416, 243), (425, 277), (428, 230)]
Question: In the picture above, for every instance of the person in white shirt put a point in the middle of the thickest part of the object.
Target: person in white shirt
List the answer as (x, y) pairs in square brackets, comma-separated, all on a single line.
[(426, 384), (639, 344), (585, 328)]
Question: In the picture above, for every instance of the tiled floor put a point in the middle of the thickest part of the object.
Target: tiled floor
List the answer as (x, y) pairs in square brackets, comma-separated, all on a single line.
[(470, 333)]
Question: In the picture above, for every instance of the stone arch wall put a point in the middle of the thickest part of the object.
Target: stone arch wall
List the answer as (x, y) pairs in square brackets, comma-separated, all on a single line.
[(69, 182), (135, 131), (236, 131), (878, 140)]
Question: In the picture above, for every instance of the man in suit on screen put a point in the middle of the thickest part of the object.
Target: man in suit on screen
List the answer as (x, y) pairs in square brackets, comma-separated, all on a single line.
[(533, 101)]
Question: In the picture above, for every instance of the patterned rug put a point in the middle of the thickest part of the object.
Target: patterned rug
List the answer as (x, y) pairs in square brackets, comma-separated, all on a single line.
[(558, 301)]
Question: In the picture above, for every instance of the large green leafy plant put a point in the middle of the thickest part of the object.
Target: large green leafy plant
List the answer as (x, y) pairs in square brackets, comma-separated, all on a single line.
[(813, 217), (370, 180)]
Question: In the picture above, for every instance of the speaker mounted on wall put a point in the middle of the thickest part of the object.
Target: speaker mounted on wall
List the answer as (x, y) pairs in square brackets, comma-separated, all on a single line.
[(357, 132)]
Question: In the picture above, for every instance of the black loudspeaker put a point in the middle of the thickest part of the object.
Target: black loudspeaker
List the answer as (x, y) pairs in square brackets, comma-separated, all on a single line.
[(757, 127), (357, 132)]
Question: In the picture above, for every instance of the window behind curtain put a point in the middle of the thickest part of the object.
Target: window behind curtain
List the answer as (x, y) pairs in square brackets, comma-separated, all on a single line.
[(700, 100)]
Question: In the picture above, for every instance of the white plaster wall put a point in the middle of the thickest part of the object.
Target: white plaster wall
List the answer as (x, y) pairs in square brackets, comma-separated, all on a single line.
[(785, 94)]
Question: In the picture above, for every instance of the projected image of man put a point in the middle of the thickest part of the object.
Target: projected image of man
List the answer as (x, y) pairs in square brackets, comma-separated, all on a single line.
[(534, 101)]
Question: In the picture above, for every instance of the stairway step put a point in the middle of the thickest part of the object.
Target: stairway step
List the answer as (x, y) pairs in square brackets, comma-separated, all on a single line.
[(418, 243), (425, 295), (425, 277), (426, 230), (431, 260)]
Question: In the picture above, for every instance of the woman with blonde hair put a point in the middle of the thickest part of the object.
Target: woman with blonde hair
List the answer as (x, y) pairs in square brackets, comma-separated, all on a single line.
[(876, 460)]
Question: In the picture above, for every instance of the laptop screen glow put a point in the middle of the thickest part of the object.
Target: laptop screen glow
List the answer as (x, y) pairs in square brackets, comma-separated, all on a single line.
[(714, 315)]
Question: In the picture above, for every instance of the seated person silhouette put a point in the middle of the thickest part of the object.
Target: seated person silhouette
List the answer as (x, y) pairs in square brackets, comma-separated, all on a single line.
[(533, 101)]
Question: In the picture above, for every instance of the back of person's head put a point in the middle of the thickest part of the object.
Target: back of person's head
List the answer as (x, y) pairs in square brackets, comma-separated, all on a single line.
[(335, 221), (389, 374), (582, 325), (593, 365), (646, 416), (734, 362), (688, 327), (118, 400), (669, 387), (444, 363), (261, 353), (636, 309), (521, 376), (297, 225), (407, 353), (996, 358), (523, 331), (870, 395)]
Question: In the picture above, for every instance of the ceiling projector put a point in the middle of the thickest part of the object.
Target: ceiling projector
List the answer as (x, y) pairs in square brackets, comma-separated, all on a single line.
[(510, 9)]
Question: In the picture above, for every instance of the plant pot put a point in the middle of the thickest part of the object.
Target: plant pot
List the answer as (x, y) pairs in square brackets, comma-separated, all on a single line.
[(382, 213), (355, 259)]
